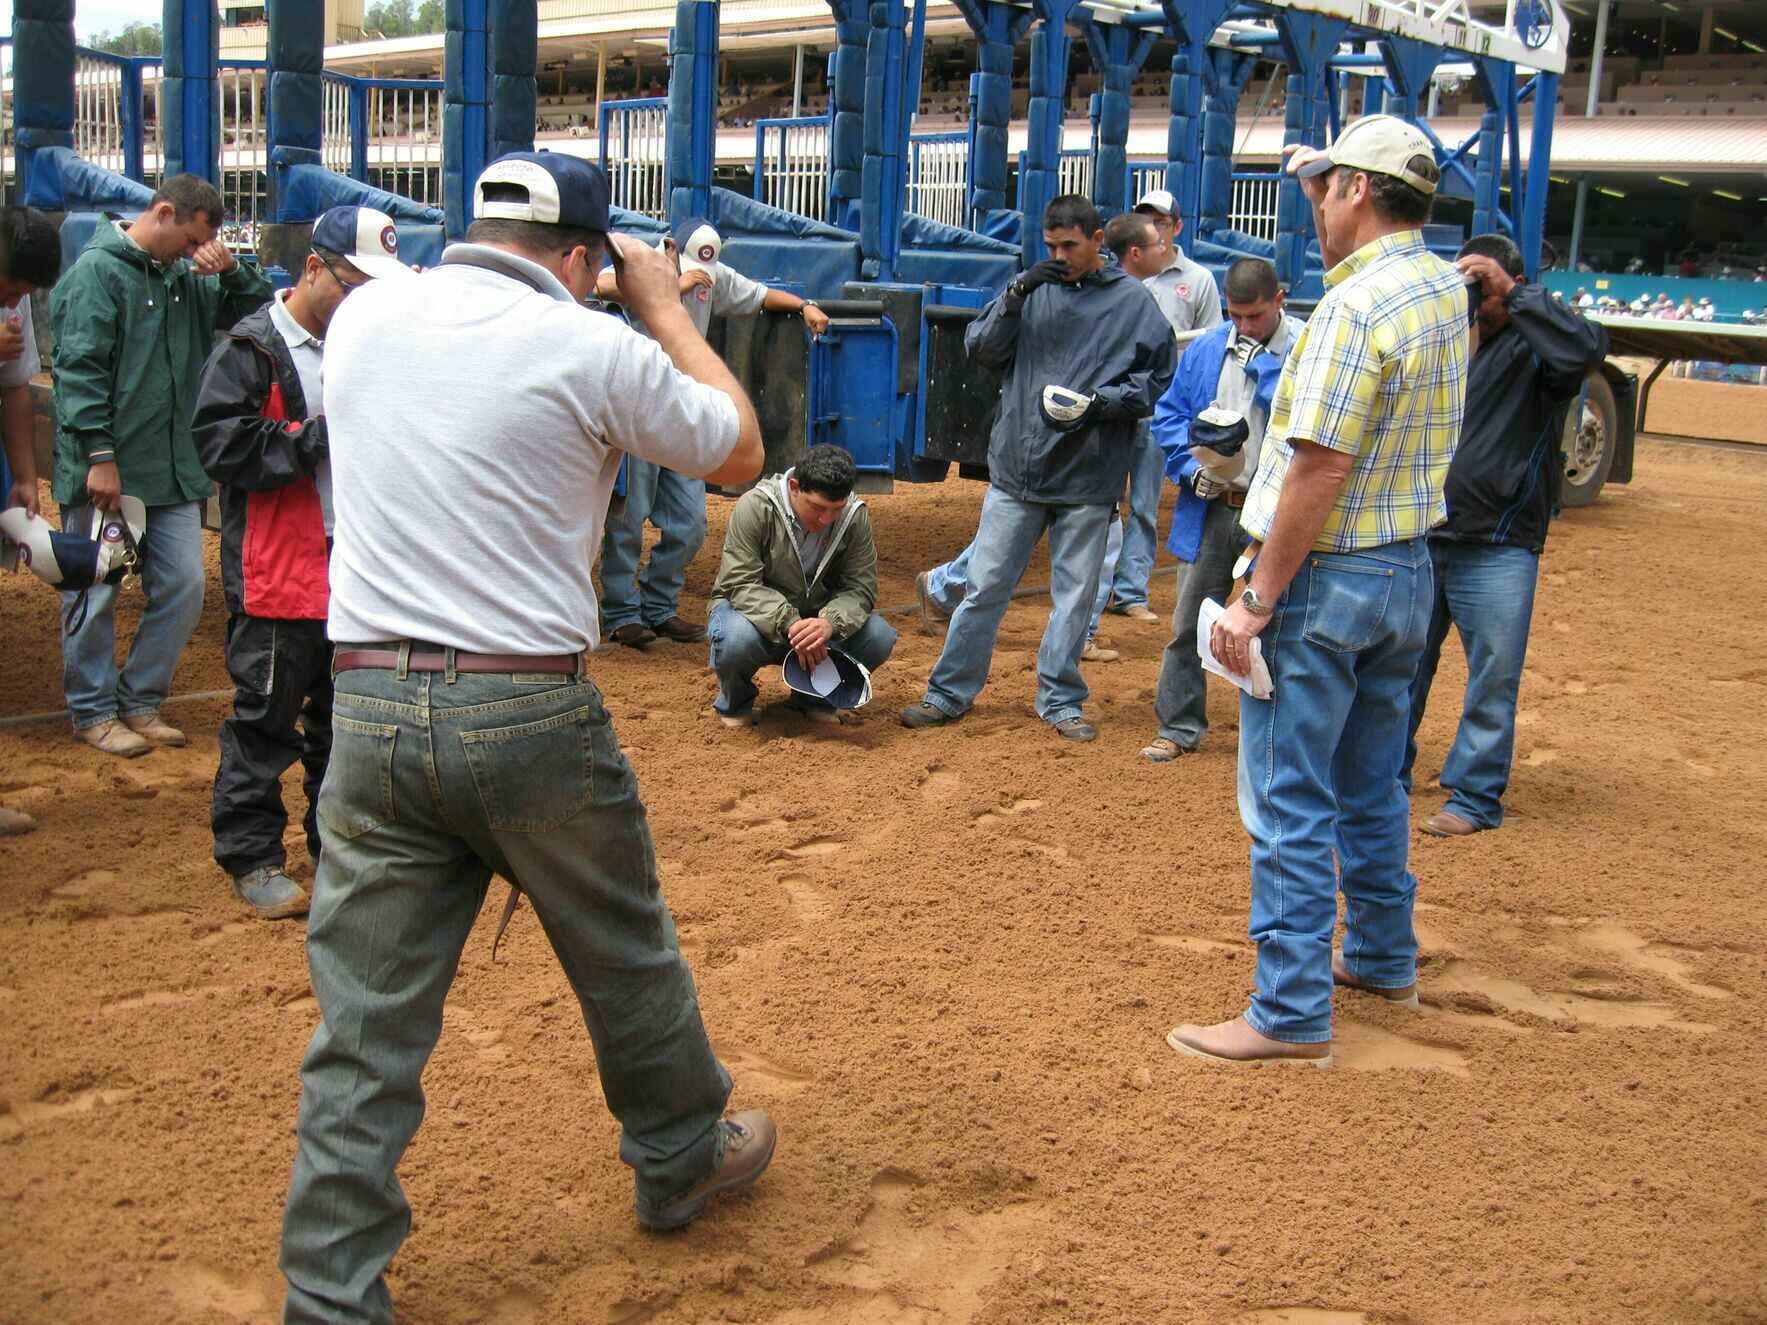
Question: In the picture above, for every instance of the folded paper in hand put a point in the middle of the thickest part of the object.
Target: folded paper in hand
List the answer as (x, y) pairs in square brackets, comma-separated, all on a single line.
[(1257, 682)]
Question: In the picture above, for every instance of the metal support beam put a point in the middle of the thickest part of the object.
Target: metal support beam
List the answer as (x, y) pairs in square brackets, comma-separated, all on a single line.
[(1496, 81), (1040, 176), (1118, 53), (846, 101), (1577, 219), (296, 58), (1598, 58), (1224, 77), (887, 112), (42, 81), (1309, 43), (997, 26), (1533, 204)]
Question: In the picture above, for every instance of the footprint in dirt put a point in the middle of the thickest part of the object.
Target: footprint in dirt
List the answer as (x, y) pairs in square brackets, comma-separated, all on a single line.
[(85, 883), (1592, 1007), (809, 901), (227, 930), (202, 1290), (745, 817), (754, 1070), (1662, 959), (20, 1116), (940, 783), (1201, 947), (813, 849), (1303, 1316), (486, 1039), (998, 818), (160, 998), (1364, 1048), (1539, 756)]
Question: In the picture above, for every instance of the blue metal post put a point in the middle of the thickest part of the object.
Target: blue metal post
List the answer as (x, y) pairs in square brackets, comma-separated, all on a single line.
[(1308, 41), (1496, 80), (1224, 76), (997, 27), (358, 131), (42, 80), (1119, 53), (1533, 207), (1410, 66), (1040, 175), (192, 130), (296, 51), (880, 220), (693, 108), (129, 115), (514, 94), (465, 133), (846, 100), (1191, 23)]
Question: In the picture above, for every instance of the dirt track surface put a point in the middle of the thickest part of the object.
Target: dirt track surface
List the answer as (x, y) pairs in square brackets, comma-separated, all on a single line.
[(946, 962)]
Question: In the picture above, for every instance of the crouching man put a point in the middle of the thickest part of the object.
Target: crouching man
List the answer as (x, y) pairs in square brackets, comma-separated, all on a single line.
[(799, 574)]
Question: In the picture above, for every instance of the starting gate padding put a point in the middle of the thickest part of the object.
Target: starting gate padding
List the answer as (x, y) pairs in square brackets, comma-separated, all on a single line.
[(770, 361), (852, 395), (63, 182), (962, 396)]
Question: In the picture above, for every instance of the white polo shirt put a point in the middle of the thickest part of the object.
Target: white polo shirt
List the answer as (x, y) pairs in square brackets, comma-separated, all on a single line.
[(1186, 294), (476, 420), (20, 371)]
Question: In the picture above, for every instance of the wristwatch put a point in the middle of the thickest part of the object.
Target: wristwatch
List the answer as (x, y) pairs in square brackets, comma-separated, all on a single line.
[(1255, 605)]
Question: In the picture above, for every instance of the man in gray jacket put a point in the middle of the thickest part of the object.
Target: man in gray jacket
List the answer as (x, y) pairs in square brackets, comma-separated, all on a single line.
[(1086, 353)]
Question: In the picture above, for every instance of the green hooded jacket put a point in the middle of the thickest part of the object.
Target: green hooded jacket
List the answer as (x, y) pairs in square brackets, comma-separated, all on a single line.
[(131, 337), (762, 577)]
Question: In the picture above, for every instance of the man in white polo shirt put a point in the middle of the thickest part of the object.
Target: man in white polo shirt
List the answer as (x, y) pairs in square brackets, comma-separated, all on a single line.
[(477, 415)]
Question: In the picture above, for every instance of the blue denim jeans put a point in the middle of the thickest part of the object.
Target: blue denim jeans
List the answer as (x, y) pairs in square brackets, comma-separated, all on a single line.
[(738, 651), (172, 581), (1181, 700), (676, 505), (433, 787), (1319, 787), (1488, 593), (947, 584), (1010, 530), (1141, 538)]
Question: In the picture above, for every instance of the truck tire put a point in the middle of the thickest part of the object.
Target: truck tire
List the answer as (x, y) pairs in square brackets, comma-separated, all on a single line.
[(1589, 443)]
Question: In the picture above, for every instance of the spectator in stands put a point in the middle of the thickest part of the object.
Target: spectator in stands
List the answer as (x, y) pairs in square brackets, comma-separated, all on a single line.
[(638, 608), (260, 430), (1085, 354), (1501, 492), (1584, 298), (798, 575), (134, 319), (30, 258), (1235, 367), (1684, 312), (1704, 312)]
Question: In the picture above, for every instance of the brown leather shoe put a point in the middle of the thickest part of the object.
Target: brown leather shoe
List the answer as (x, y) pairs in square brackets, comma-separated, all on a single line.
[(1443, 824), (745, 1149), (113, 739), (680, 629), (633, 636), (1405, 995), (154, 729), (1237, 1042), (14, 822)]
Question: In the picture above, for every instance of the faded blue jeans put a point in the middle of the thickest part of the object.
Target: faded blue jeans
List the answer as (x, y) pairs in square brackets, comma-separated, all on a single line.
[(1488, 593), (947, 584), (432, 788), (1127, 584), (172, 581), (1010, 530), (676, 505), (738, 651), (1319, 787)]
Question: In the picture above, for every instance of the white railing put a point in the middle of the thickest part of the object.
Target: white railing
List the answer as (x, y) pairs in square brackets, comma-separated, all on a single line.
[(1252, 210), (98, 113), (334, 131), (791, 165), (938, 177), (405, 142), (245, 124), (632, 153), (1075, 173), (1144, 178)]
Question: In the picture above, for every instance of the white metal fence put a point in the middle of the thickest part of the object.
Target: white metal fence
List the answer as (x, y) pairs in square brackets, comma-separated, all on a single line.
[(632, 153), (1075, 173), (938, 177), (1252, 210), (1144, 177), (98, 113), (245, 145), (334, 127), (405, 141), (791, 165)]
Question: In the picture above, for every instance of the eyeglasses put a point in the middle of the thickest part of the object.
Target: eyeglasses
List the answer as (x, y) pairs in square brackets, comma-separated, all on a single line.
[(346, 286)]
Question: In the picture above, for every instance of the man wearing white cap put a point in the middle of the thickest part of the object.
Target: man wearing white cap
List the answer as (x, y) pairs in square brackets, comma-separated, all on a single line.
[(260, 432), (637, 608), (1363, 424)]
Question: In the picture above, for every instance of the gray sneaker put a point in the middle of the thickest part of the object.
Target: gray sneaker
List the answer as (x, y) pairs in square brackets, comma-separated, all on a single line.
[(1076, 729), (745, 1148), (271, 893)]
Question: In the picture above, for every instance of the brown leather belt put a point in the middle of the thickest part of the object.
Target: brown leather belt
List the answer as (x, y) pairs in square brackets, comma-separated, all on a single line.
[(431, 658), (1234, 498)]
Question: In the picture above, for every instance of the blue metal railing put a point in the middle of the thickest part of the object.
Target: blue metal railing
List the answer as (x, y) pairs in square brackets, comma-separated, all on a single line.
[(634, 152)]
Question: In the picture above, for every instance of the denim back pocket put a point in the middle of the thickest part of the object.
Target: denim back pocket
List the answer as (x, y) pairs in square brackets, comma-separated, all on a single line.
[(357, 796), (1346, 601), (536, 776)]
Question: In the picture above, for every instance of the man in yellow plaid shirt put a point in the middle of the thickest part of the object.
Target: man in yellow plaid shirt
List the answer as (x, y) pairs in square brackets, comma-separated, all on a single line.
[(1363, 425)]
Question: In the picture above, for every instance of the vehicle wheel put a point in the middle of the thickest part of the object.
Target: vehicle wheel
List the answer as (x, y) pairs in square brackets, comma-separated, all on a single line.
[(1589, 443)]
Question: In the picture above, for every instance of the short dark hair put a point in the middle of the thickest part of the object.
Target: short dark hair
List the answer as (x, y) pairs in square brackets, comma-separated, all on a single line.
[(530, 236), (1130, 230), (1251, 281), (1071, 211), (1500, 249), (1395, 201), (30, 249), (828, 471), (190, 194)]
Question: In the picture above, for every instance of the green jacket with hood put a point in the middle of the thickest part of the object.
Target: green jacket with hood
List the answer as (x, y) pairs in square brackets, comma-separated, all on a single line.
[(762, 577), (131, 337)]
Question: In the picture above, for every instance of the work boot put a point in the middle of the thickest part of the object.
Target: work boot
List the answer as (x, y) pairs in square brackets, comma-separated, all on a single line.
[(680, 629), (1238, 1042), (154, 729), (1076, 729), (633, 635), (1136, 612), (745, 1148), (1093, 652), (743, 718), (1443, 824), (1404, 995), (1163, 750), (113, 739), (15, 822), (933, 618), (924, 714), (271, 893)]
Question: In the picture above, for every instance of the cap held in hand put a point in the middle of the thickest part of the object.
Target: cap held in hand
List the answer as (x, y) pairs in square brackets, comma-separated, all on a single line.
[(1063, 408), (839, 681)]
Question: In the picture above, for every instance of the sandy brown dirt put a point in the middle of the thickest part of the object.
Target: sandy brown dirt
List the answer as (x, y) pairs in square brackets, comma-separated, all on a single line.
[(946, 961), (1687, 407)]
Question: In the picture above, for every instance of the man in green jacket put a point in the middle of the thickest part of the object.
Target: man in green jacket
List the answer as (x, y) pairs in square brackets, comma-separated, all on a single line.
[(799, 574), (134, 320)]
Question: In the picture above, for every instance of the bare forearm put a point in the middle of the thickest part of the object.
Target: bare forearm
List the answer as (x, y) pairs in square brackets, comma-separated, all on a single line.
[(1309, 491), (782, 301)]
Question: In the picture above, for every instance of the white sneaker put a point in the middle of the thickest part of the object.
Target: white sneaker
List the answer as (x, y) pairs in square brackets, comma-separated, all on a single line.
[(1093, 653), (113, 739)]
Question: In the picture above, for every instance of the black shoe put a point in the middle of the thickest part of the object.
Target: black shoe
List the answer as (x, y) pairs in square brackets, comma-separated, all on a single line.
[(925, 715), (1076, 729), (633, 636), (745, 1150)]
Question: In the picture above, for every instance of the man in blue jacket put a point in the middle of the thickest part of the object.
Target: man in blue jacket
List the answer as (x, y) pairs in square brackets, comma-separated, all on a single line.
[(1235, 366), (1086, 352)]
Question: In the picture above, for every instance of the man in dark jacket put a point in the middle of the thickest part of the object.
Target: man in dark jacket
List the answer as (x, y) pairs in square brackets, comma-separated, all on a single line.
[(1502, 489), (261, 434), (134, 319), (1086, 352)]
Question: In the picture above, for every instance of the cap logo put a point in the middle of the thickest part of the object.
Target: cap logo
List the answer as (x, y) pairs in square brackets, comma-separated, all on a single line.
[(707, 253), (1184, 292), (389, 240)]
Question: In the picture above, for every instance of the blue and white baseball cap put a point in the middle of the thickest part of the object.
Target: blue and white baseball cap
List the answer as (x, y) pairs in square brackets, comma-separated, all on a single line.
[(368, 238), (840, 681), (547, 188), (698, 242)]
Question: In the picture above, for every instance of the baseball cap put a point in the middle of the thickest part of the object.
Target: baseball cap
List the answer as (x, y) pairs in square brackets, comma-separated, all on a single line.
[(1382, 145), (1158, 200), (547, 188), (699, 244), (839, 681), (366, 237)]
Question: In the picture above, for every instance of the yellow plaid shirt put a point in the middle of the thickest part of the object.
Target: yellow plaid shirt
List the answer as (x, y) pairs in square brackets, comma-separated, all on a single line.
[(1379, 372)]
